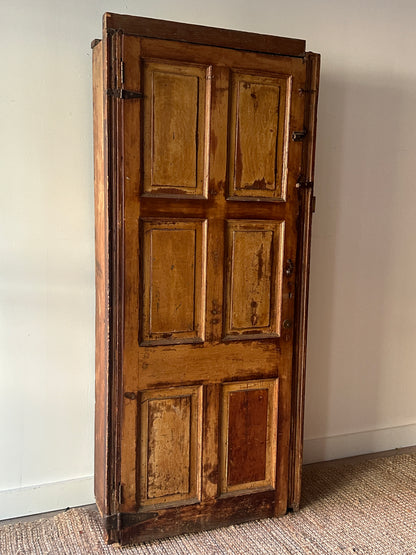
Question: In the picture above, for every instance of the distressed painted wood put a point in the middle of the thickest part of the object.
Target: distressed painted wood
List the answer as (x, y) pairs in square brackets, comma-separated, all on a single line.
[(248, 439), (254, 278), (258, 130), (201, 313), (176, 118), (174, 280), (170, 421)]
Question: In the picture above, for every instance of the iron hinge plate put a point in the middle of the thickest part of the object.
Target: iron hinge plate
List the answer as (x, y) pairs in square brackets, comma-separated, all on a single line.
[(120, 521), (124, 94)]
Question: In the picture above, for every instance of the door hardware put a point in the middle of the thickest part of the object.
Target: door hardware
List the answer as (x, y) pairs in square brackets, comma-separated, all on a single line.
[(299, 135), (130, 395), (302, 183), (306, 91), (124, 94), (289, 268)]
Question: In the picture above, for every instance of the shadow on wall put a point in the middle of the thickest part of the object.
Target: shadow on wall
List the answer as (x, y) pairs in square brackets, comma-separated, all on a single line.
[(358, 346)]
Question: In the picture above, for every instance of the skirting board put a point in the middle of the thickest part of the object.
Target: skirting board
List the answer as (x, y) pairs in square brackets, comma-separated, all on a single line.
[(55, 496), (43, 498), (358, 443)]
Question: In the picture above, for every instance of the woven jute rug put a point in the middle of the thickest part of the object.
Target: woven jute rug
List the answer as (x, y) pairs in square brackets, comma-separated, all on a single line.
[(365, 508)]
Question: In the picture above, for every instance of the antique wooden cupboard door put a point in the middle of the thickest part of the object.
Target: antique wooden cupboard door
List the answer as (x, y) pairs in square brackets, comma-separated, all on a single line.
[(208, 229)]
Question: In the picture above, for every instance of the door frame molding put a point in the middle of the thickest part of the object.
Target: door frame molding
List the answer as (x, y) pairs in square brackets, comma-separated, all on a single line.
[(306, 209)]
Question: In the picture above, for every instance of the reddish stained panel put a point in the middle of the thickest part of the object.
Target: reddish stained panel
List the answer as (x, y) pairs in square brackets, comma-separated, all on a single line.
[(247, 436)]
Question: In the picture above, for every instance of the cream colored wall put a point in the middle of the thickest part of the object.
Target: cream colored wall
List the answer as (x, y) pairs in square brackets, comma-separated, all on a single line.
[(362, 352)]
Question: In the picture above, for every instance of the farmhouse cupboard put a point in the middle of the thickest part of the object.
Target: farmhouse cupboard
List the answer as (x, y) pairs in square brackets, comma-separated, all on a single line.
[(204, 148)]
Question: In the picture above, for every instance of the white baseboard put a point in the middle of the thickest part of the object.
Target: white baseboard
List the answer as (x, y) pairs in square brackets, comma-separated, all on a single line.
[(72, 493), (359, 443), (43, 498)]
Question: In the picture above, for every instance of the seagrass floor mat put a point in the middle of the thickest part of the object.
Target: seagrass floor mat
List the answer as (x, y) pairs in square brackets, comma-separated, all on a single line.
[(364, 508)]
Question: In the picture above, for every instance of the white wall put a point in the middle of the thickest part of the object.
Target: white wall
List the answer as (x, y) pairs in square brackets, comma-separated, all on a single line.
[(362, 349)]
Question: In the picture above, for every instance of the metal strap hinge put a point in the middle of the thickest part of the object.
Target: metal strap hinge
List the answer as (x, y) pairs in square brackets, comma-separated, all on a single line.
[(124, 94), (119, 521)]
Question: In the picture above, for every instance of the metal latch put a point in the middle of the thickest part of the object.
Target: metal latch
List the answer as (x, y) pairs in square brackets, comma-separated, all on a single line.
[(301, 183), (299, 135), (124, 94)]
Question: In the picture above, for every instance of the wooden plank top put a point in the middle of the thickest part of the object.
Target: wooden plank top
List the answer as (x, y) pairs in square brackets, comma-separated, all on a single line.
[(199, 34)]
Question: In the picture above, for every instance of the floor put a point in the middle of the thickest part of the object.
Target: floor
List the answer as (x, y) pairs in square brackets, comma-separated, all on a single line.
[(350, 460)]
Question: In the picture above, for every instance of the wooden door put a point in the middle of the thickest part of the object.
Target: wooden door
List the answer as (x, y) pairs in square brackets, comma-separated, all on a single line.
[(208, 224)]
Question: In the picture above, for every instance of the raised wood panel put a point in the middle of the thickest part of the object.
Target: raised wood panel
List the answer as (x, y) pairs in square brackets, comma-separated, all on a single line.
[(176, 128), (170, 455), (168, 462), (258, 136), (254, 278), (248, 435), (174, 275)]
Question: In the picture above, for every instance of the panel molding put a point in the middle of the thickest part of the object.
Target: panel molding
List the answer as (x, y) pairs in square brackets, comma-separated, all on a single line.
[(171, 446), (177, 99), (258, 137), (228, 484), (253, 292), (178, 317)]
